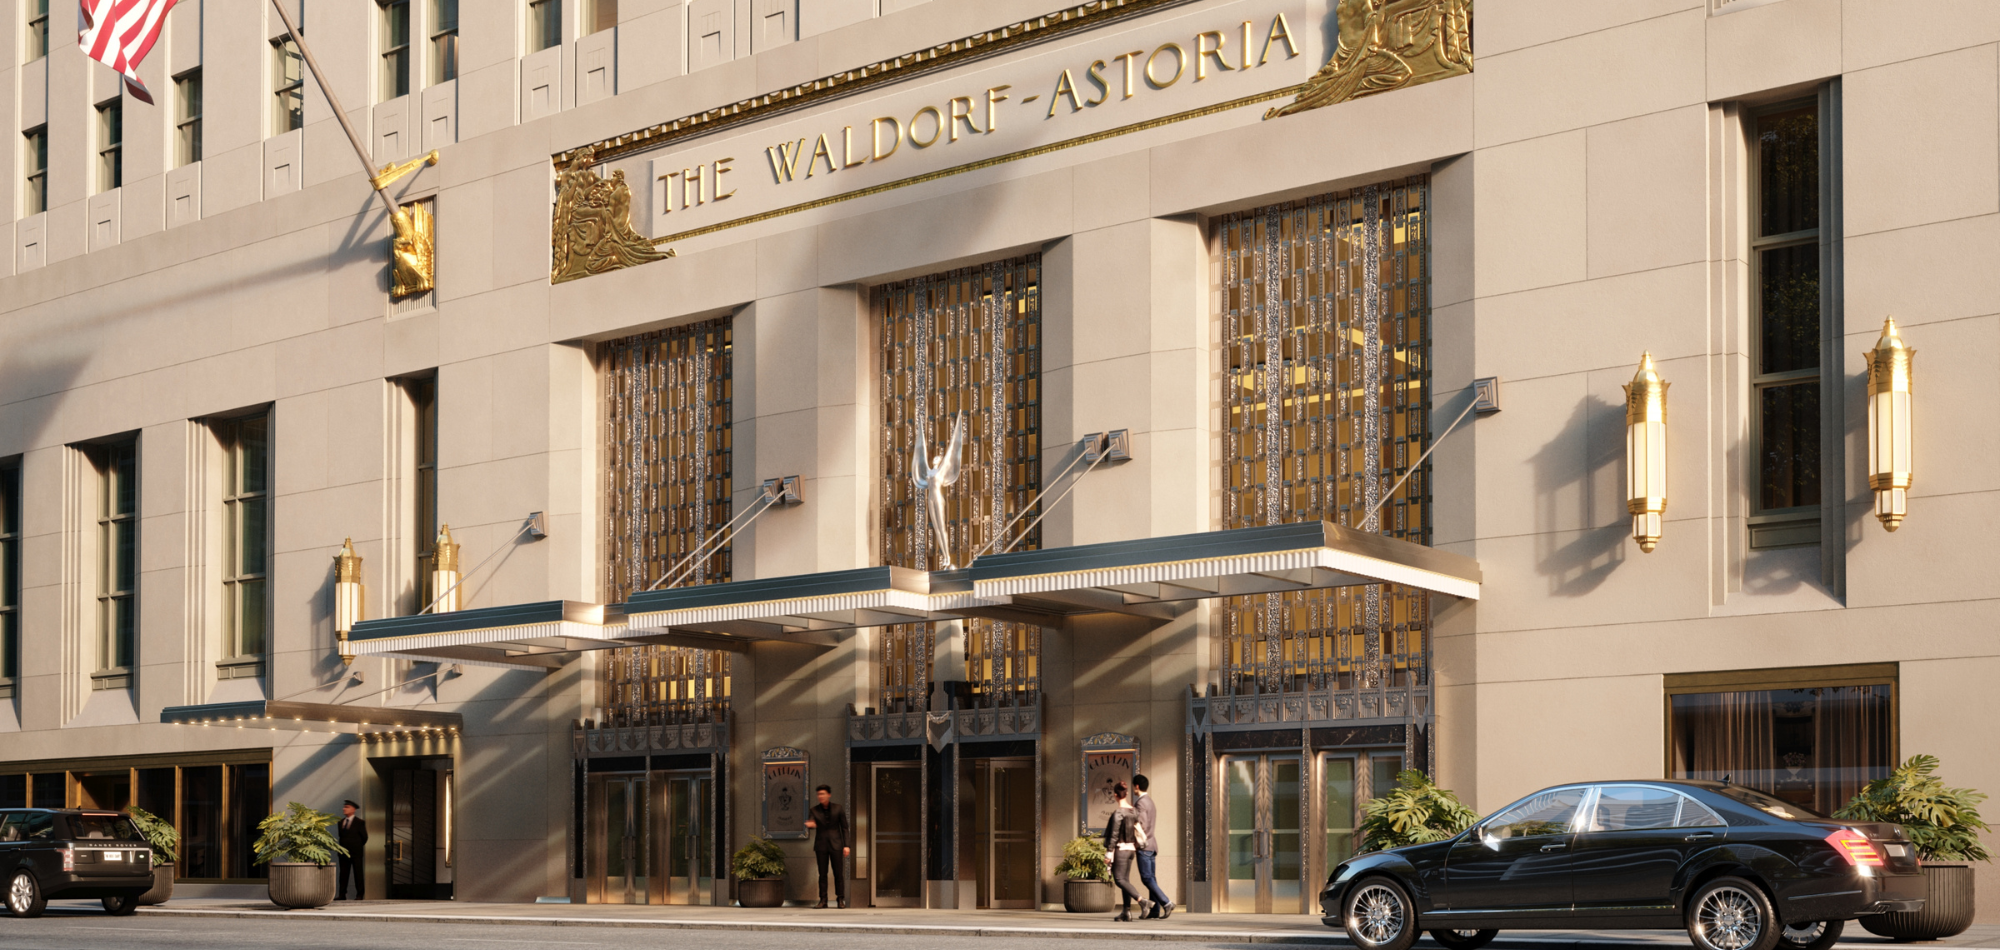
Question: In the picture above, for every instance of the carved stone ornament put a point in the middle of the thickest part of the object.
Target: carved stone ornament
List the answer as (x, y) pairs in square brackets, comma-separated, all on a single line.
[(593, 224), (1389, 44), (412, 252)]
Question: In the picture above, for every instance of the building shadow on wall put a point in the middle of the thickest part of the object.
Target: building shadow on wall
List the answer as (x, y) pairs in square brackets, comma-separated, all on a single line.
[(1578, 480)]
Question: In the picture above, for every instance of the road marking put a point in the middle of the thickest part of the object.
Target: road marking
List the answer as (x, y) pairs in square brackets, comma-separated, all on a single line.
[(546, 943)]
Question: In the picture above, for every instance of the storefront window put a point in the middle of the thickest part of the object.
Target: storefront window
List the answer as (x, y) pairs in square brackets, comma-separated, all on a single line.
[(1811, 746), (201, 822), (249, 803)]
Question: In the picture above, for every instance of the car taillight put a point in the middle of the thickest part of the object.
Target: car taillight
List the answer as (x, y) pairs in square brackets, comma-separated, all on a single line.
[(69, 858), (1855, 847)]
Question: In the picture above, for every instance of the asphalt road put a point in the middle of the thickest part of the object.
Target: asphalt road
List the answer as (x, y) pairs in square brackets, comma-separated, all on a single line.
[(64, 929)]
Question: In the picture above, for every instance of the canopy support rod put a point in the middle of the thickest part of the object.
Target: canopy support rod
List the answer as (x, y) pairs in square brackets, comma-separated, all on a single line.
[(773, 492), (1412, 470), (462, 578)]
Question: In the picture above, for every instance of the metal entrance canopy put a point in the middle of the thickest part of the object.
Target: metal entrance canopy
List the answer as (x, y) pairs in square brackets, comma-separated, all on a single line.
[(512, 637), (807, 608), (316, 717), (1120, 576)]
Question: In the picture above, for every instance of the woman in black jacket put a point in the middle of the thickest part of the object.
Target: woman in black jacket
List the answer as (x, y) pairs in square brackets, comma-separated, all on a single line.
[(1122, 837)]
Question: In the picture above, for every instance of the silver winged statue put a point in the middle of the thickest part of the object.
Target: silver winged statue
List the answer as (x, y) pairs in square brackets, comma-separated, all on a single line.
[(931, 475)]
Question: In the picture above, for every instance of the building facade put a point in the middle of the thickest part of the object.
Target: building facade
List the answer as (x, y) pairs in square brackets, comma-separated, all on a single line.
[(966, 405)]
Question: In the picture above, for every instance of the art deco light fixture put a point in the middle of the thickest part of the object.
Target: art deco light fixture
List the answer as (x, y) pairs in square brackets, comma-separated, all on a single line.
[(349, 599), (1889, 425), (1646, 453), (444, 575)]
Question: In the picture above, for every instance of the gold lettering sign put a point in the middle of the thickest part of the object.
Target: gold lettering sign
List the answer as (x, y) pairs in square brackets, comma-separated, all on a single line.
[(1389, 44)]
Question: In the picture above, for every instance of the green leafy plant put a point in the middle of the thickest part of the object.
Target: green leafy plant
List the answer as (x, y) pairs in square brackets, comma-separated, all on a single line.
[(298, 833), (1943, 822), (165, 840), (1416, 811), (760, 860), (1084, 859)]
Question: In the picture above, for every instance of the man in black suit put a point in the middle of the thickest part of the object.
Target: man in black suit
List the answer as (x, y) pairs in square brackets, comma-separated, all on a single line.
[(353, 834), (829, 824)]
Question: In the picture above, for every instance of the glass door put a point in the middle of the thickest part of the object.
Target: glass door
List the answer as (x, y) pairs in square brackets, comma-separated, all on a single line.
[(688, 837), (896, 835), (998, 810), (620, 869), (1263, 827)]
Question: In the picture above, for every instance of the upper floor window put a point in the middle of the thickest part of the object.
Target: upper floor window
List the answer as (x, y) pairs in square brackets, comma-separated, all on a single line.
[(395, 48), (544, 24), (187, 117), (288, 87), (444, 41), (117, 562), (1787, 323), (246, 502), (35, 159), (10, 575), (111, 145), (600, 15), (38, 30), (424, 529)]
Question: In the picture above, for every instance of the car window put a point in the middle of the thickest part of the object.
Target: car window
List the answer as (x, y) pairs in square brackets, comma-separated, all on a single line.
[(1634, 808), (102, 828), (1548, 813), (14, 828), (1697, 815), (1765, 803), (41, 827)]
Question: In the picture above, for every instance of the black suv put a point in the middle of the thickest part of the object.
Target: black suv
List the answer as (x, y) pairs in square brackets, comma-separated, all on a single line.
[(67, 853)]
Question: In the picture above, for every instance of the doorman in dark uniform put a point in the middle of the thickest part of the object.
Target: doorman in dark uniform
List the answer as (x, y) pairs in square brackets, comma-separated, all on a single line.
[(829, 824), (353, 834)]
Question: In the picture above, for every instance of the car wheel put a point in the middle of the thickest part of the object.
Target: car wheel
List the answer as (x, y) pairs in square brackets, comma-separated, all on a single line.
[(1379, 916), (1817, 935), (1469, 939), (121, 906), (24, 896), (1730, 913)]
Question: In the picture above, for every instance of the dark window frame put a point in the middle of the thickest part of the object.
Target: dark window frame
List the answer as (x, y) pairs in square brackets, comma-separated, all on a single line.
[(38, 30), (10, 575), (544, 24), (35, 159), (187, 117), (118, 476), (423, 395), (243, 657), (1885, 675), (395, 48), (443, 28), (288, 91), (110, 144)]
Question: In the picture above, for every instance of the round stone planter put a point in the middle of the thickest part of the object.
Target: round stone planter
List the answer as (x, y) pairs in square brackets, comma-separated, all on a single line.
[(1087, 897), (299, 886), (163, 886), (1947, 909), (765, 892)]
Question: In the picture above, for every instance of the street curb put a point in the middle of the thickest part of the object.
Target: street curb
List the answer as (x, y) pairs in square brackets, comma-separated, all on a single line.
[(930, 930)]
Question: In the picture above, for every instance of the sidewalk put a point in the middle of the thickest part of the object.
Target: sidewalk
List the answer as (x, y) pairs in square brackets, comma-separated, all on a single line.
[(1182, 927)]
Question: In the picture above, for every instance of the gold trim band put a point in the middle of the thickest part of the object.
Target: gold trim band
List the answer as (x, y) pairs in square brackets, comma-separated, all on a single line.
[(1036, 151), (907, 66)]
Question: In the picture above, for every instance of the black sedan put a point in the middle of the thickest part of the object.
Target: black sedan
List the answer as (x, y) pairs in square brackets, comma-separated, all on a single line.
[(1739, 869)]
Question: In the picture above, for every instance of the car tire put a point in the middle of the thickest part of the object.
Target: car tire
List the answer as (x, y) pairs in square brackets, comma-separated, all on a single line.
[(1816, 935), (1379, 915), (24, 895), (121, 906), (1469, 939), (1730, 913)]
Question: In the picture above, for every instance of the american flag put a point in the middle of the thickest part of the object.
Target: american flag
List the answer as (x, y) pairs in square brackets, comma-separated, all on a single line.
[(119, 33)]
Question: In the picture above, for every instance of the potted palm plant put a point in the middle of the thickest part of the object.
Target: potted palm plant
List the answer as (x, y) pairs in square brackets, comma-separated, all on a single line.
[(760, 874), (1086, 873), (166, 845), (304, 878), (1416, 811), (1944, 824)]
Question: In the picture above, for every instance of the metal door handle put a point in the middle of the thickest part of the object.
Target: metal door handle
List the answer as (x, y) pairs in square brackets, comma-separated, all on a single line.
[(1700, 836), (1553, 847)]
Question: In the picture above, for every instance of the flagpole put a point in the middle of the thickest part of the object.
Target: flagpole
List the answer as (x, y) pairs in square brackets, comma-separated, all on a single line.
[(367, 167)]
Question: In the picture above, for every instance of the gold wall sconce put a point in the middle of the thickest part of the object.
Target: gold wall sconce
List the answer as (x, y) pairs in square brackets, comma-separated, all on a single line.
[(349, 597), (1646, 453), (445, 577), (1889, 371)]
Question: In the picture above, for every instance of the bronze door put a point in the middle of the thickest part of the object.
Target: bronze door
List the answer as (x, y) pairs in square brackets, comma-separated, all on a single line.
[(896, 835), (1262, 812), (619, 871), (687, 807), (999, 821)]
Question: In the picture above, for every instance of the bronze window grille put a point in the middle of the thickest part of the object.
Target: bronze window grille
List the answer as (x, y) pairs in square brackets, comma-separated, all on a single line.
[(668, 483), (966, 341), (1325, 401)]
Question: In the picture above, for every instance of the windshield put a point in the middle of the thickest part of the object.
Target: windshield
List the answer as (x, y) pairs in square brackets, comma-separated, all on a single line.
[(1765, 803), (101, 828)]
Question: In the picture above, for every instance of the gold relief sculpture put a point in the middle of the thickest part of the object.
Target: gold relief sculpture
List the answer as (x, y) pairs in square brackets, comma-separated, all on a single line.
[(412, 252), (593, 224), (1389, 44)]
